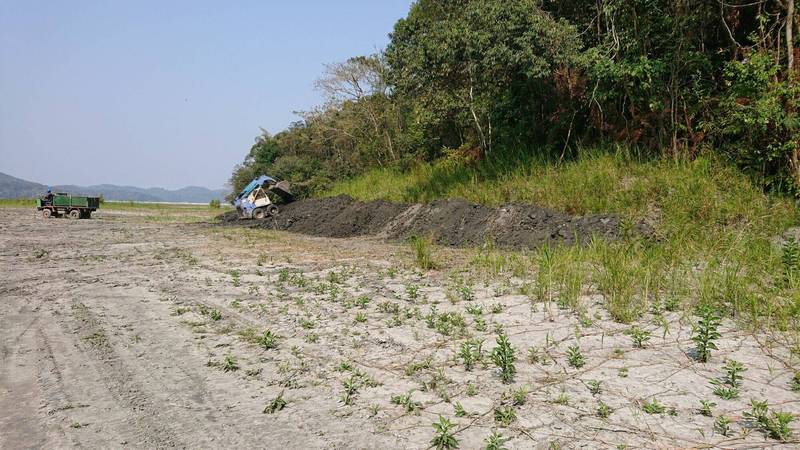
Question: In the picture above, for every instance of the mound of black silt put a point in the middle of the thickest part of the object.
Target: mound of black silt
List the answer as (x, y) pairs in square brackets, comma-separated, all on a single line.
[(448, 222)]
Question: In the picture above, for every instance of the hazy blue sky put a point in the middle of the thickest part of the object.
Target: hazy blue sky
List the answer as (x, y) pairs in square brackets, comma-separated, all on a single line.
[(164, 93)]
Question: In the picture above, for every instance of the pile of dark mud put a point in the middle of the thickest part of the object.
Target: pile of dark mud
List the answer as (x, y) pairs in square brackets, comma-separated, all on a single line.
[(448, 222)]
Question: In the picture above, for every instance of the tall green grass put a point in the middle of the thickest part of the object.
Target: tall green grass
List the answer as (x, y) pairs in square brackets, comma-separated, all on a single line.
[(714, 228)]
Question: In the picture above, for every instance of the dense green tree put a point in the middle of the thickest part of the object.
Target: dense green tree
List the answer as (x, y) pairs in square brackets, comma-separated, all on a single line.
[(494, 77)]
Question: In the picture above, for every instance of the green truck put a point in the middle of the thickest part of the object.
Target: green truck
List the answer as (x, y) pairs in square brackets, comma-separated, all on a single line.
[(63, 204)]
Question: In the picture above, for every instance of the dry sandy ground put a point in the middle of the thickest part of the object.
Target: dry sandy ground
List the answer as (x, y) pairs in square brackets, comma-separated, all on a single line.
[(114, 332)]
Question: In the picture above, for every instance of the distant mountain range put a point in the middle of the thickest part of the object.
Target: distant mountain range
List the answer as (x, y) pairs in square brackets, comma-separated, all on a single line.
[(12, 187)]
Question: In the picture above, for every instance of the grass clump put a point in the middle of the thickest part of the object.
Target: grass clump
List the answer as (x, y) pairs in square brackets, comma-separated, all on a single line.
[(423, 253)]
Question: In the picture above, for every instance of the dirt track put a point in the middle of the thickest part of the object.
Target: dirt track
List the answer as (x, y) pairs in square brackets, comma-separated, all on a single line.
[(111, 340), (452, 222)]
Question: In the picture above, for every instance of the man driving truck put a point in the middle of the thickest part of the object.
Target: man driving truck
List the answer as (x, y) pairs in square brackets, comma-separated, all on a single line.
[(47, 198)]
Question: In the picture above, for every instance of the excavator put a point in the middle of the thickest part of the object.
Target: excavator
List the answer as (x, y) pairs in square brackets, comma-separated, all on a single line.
[(255, 203)]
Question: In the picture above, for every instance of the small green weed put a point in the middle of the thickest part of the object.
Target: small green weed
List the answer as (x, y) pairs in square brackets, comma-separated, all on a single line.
[(443, 438), (603, 411), (470, 353), (495, 441), (574, 357), (504, 416), (229, 364), (722, 425), (277, 404), (268, 340), (504, 357), (653, 407), (639, 337), (407, 402), (706, 332), (706, 408)]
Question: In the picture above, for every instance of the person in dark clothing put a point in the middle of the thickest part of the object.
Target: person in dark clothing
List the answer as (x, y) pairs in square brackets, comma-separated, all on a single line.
[(48, 197)]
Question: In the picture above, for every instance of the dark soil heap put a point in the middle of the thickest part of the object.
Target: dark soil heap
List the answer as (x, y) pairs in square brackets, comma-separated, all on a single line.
[(448, 222)]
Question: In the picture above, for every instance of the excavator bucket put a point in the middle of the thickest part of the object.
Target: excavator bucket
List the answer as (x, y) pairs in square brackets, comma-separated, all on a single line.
[(283, 190)]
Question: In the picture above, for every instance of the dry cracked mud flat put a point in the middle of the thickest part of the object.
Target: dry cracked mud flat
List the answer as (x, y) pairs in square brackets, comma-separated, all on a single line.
[(133, 331)]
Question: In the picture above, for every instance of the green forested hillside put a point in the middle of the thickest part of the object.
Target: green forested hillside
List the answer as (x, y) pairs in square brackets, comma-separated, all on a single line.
[(499, 79)]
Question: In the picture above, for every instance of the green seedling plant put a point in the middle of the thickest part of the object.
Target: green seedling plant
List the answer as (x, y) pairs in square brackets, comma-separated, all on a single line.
[(362, 302), (575, 358), (728, 387), (794, 383), (722, 425), (235, 277), (268, 340), (562, 399), (412, 290), (603, 411), (595, 387), (706, 408), (229, 364), (459, 410), (535, 356), (471, 352), (504, 358), (466, 293), (653, 407), (215, 315), (504, 416), (360, 318), (475, 310), (351, 386), (406, 402), (519, 396), (495, 441), (443, 438), (706, 333), (277, 404), (639, 337), (775, 425)]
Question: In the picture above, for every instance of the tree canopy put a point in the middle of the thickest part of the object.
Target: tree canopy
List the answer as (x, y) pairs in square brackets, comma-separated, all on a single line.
[(498, 77)]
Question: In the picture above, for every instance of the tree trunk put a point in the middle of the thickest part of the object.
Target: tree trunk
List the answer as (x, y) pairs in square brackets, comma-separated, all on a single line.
[(789, 32)]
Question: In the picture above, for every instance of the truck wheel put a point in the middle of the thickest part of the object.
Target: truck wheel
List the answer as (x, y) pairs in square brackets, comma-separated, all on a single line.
[(272, 210), (46, 213), (75, 214), (259, 214)]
